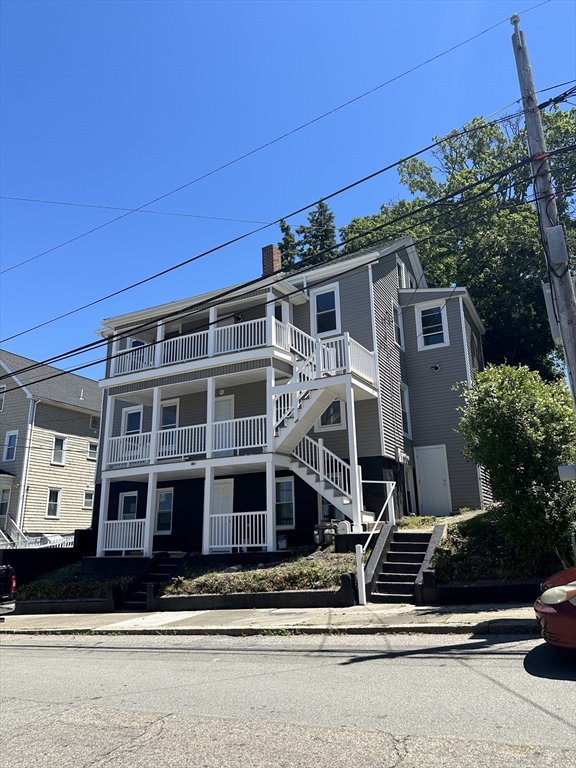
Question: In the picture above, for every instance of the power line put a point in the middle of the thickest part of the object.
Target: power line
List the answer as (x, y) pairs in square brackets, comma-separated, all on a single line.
[(273, 141), (295, 291), (225, 292), (253, 231), (192, 309)]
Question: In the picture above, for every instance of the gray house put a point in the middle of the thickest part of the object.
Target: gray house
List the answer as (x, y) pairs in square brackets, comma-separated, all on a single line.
[(239, 419), (49, 436)]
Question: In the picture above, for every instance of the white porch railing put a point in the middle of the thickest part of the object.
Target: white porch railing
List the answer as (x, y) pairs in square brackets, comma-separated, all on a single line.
[(180, 442), (237, 434), (234, 338), (123, 535), (327, 465), (190, 347), (362, 361), (238, 529), (343, 354), (129, 449), (136, 359)]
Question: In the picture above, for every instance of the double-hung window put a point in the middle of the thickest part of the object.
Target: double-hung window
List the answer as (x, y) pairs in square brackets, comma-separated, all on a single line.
[(285, 502), (53, 503), (4, 501), (128, 505), (59, 451), (132, 420), (92, 451), (10, 443), (334, 417), (325, 308), (432, 326), (164, 504), (398, 326), (88, 501)]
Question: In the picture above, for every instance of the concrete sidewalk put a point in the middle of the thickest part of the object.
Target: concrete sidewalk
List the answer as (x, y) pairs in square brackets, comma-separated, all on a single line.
[(369, 619)]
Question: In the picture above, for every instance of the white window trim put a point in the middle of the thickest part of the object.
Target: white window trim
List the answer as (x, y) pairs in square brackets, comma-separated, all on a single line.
[(63, 462), (9, 490), (93, 421), (92, 458), (285, 527), (57, 515), (158, 492), (2, 396), (7, 446), (84, 506), (132, 409), (401, 273), (325, 289), (333, 427), (404, 389), (400, 324), (163, 404), (121, 498), (418, 313)]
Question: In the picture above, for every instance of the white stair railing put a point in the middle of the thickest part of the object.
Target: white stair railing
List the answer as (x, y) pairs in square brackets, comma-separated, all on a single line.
[(327, 465)]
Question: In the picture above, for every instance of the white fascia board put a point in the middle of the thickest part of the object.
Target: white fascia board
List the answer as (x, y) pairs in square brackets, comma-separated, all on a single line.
[(419, 296), (25, 389)]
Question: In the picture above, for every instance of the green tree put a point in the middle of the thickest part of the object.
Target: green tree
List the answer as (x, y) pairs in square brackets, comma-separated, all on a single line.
[(317, 236), (487, 238), (287, 245), (521, 428)]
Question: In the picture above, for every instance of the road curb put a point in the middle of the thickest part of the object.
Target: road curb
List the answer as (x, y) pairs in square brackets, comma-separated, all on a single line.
[(520, 627)]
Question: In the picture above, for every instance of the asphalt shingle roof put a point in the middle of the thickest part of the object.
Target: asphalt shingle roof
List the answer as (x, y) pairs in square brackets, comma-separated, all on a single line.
[(67, 388)]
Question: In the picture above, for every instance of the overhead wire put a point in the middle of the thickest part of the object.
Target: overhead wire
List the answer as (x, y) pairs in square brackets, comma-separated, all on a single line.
[(273, 141), (234, 289)]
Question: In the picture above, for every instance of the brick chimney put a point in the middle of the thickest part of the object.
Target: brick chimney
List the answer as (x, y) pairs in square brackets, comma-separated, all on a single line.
[(271, 260)]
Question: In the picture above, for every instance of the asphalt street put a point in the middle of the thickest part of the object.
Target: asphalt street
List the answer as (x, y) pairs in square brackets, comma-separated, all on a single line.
[(323, 701)]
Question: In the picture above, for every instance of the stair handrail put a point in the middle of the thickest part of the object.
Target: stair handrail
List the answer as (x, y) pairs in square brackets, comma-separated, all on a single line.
[(286, 405), (322, 457), (360, 550)]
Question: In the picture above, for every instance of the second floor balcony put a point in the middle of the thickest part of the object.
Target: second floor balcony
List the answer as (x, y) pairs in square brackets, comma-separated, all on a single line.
[(326, 357)]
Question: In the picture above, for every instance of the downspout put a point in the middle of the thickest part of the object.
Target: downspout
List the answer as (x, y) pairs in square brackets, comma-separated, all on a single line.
[(26, 465)]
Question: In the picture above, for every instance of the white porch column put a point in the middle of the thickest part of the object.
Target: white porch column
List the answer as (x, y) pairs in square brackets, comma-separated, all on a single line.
[(270, 504), (270, 326), (210, 394), (102, 514), (113, 354), (150, 514), (156, 402), (160, 331), (356, 486), (208, 491), (107, 433), (270, 410), (211, 330)]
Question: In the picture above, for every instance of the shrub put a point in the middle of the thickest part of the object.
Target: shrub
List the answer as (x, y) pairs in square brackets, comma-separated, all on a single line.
[(521, 428)]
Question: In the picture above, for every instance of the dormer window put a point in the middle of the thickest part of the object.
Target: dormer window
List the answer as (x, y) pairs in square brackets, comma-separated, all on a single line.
[(325, 307)]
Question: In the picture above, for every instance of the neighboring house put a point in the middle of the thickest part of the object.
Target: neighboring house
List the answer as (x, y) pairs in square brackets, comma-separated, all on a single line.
[(242, 423), (49, 435)]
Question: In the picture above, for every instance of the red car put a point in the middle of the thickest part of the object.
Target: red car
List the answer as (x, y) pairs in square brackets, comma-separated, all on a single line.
[(556, 609)]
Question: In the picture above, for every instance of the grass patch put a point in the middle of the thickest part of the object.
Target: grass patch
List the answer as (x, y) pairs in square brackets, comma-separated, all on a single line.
[(475, 549), (68, 583), (308, 568)]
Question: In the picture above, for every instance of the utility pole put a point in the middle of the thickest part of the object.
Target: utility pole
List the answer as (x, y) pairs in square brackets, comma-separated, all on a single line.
[(552, 231)]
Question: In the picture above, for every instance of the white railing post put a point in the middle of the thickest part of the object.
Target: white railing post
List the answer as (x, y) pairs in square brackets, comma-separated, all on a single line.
[(319, 367), (160, 331), (270, 409), (211, 330), (347, 352), (150, 515), (355, 488), (156, 399), (210, 391), (321, 460), (391, 507), (107, 431), (102, 514), (270, 505), (206, 522), (360, 574)]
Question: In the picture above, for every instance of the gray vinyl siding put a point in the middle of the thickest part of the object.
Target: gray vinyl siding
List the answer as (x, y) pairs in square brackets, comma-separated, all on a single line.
[(249, 399), (434, 403), (301, 317), (390, 365), (474, 343), (192, 409), (64, 421), (367, 432), (355, 310)]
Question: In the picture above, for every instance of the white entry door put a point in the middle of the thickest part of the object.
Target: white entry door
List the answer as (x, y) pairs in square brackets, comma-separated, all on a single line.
[(220, 522), (433, 481)]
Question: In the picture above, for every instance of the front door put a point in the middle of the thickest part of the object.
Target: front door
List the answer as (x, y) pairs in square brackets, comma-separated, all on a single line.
[(220, 523), (433, 481), (224, 434)]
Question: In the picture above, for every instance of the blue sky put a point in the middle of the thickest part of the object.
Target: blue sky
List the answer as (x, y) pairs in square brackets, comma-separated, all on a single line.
[(115, 103)]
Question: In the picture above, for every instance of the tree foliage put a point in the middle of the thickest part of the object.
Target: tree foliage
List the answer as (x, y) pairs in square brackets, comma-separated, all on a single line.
[(521, 428), (287, 245), (317, 236), (486, 238)]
